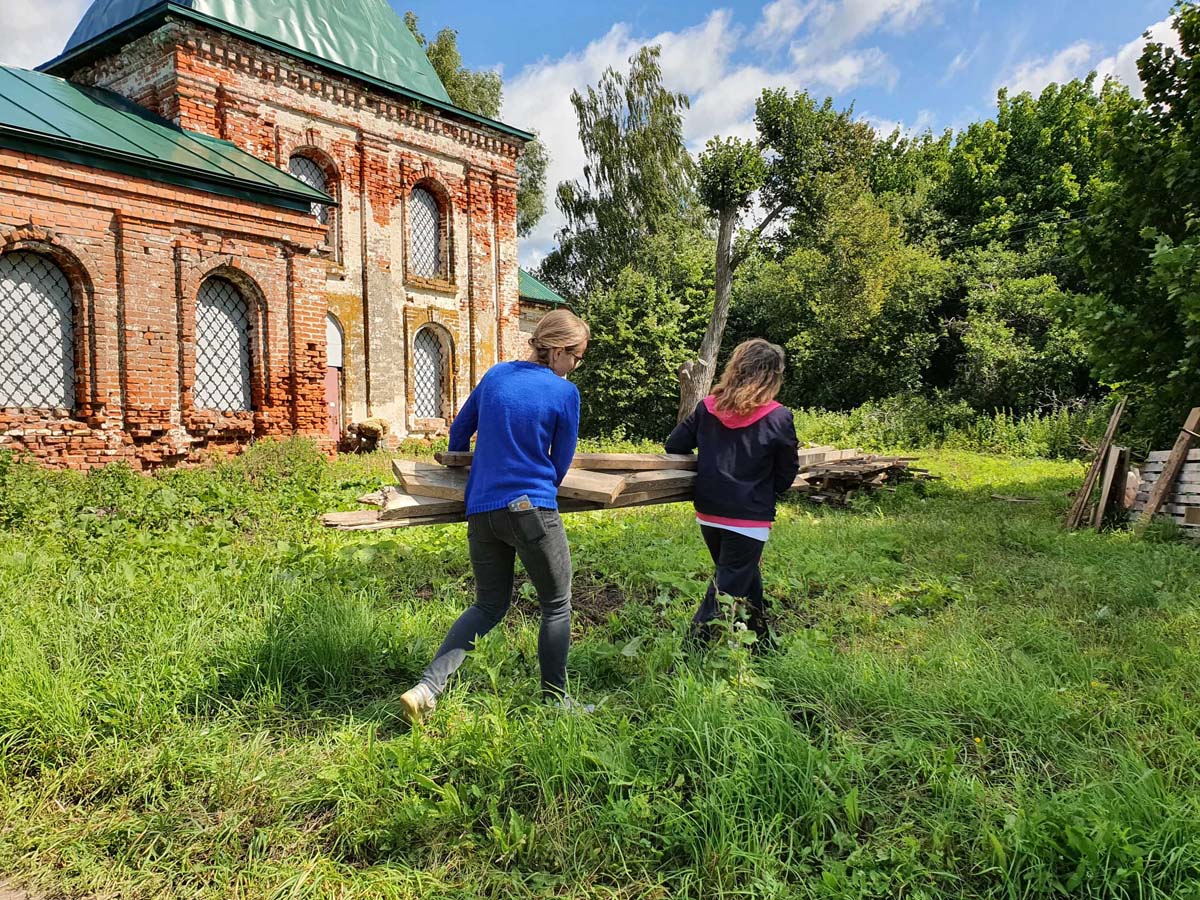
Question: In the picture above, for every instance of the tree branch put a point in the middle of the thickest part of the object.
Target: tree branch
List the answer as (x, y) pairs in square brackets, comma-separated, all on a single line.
[(739, 256)]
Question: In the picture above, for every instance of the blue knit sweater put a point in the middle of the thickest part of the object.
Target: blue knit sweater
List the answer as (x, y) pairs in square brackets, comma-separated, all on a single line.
[(526, 420)]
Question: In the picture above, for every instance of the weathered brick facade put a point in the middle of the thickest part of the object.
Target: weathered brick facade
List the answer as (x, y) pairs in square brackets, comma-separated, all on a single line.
[(136, 252), (142, 250)]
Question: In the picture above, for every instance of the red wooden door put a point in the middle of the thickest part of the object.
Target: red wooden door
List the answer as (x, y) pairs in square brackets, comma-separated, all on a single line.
[(333, 402)]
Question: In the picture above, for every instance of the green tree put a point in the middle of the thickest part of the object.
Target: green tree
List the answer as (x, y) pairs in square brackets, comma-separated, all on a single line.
[(481, 92), (803, 154), (638, 175), (731, 172), (642, 331), (1140, 246)]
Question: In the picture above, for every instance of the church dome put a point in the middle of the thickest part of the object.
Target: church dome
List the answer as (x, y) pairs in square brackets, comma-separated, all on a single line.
[(364, 37)]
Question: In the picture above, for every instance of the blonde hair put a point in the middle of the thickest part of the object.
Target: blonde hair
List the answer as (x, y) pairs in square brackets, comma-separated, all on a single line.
[(560, 329), (752, 377)]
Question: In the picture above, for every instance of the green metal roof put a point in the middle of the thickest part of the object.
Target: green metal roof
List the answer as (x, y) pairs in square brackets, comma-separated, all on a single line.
[(530, 288), (364, 39), (50, 117), (364, 35)]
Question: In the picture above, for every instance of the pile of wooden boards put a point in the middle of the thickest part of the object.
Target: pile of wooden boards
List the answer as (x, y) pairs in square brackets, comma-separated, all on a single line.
[(1171, 480), (835, 481), (434, 494), (1182, 501)]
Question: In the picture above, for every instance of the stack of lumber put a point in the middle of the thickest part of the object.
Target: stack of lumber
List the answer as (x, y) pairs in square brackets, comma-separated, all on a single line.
[(430, 494), (835, 480), (1171, 484), (1181, 501)]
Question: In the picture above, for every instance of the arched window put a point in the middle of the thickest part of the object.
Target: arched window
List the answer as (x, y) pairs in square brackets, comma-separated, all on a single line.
[(37, 333), (304, 169), (425, 222), (428, 365), (334, 342), (222, 348)]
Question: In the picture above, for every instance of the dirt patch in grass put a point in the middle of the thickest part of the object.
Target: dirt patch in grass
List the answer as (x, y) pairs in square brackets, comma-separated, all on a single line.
[(591, 601), (7, 892)]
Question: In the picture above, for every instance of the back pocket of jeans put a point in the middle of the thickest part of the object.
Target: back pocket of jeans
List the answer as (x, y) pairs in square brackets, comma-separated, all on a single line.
[(528, 525)]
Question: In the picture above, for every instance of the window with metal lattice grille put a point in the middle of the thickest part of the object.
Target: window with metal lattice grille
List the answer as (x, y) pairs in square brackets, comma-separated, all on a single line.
[(37, 334), (304, 169), (222, 348), (427, 376), (426, 246)]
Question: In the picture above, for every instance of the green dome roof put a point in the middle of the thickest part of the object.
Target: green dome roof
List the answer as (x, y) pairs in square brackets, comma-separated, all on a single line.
[(363, 36)]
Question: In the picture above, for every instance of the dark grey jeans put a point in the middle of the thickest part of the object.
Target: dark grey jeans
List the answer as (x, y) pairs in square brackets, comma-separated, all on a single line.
[(495, 540)]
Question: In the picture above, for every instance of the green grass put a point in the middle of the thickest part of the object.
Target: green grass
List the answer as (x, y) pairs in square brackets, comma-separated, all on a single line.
[(198, 698)]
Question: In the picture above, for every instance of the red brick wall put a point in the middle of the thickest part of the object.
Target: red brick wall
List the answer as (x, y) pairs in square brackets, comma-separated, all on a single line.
[(378, 146), (136, 252)]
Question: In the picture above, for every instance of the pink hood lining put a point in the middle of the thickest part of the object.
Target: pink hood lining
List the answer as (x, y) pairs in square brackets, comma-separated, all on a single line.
[(733, 420)]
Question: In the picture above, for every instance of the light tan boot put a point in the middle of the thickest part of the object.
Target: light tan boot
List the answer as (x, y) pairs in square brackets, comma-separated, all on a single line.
[(417, 702)]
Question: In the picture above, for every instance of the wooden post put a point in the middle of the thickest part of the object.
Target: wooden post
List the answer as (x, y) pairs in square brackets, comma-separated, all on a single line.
[(1166, 481), (1079, 507)]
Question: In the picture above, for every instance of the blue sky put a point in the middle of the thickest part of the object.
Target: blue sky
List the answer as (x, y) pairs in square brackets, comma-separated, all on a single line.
[(915, 64)]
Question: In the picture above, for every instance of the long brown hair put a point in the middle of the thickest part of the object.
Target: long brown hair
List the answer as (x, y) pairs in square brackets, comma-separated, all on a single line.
[(751, 378), (560, 328)]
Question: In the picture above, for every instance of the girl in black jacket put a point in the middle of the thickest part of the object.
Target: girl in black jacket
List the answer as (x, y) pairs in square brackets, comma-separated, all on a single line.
[(748, 454)]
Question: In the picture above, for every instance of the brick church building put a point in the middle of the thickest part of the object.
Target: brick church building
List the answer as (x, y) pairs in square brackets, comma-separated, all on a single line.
[(227, 219)]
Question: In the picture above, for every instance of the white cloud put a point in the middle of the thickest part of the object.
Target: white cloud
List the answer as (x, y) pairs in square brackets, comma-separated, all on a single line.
[(35, 31), (1035, 74), (1077, 60), (1123, 64), (884, 127), (780, 20), (823, 53)]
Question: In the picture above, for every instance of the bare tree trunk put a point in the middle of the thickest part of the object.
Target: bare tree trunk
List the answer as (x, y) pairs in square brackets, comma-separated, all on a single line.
[(696, 376)]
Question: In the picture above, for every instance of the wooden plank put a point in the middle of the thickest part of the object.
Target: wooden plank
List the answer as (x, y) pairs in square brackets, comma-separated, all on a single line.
[(1192, 516), (1164, 455), (425, 480), (1112, 485), (1166, 481), (1188, 473), (384, 525), (405, 506), (626, 500), (350, 519), (601, 487), (665, 480), (633, 462), (596, 462), (1084, 497), (1188, 499)]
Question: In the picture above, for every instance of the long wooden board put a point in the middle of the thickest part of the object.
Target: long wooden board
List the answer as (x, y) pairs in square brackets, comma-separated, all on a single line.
[(425, 480), (595, 462), (1162, 456), (601, 487), (405, 506), (361, 522), (666, 480), (1112, 485), (1171, 468)]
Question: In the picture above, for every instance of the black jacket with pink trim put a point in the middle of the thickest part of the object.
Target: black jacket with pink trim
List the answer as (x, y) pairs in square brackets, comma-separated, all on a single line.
[(743, 462)]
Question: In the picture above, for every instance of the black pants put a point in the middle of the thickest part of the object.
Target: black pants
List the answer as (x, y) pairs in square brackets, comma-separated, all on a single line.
[(495, 540), (737, 559)]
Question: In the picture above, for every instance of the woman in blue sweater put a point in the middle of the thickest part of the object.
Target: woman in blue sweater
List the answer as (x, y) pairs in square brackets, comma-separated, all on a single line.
[(525, 416)]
